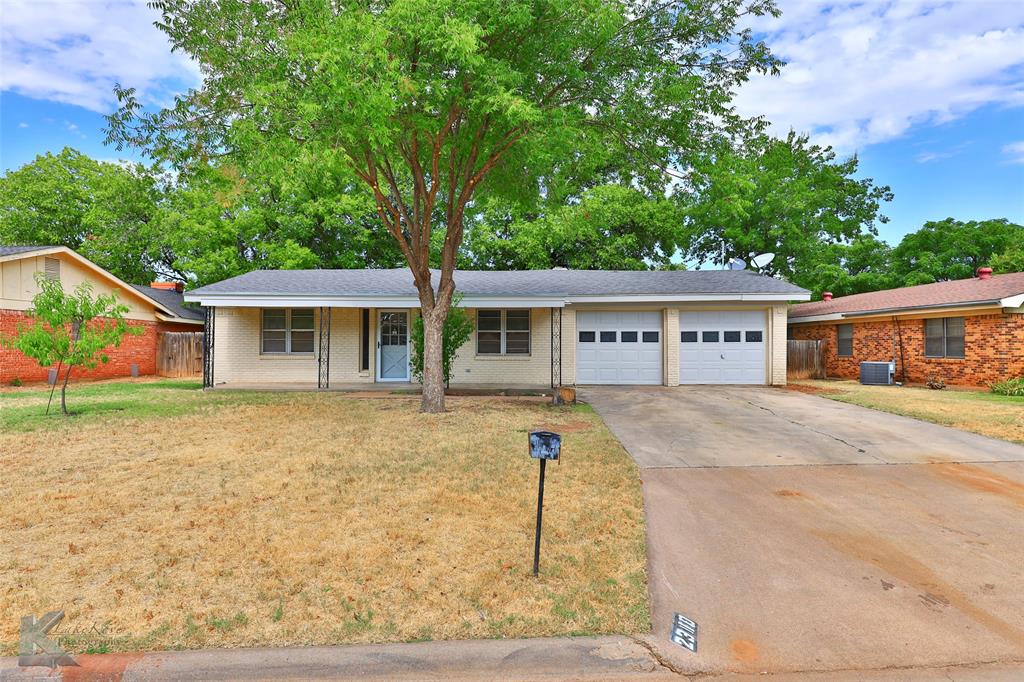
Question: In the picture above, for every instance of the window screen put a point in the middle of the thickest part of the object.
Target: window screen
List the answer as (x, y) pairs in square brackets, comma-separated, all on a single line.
[(844, 340), (944, 337), (503, 332), (287, 330), (364, 341)]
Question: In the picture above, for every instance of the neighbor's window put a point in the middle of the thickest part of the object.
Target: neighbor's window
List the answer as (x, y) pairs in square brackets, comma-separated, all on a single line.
[(944, 337), (503, 332), (287, 330), (844, 340)]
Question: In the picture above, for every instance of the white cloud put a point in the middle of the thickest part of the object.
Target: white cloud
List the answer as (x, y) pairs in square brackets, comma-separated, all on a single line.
[(1015, 150), (860, 73), (73, 51), (23, 125)]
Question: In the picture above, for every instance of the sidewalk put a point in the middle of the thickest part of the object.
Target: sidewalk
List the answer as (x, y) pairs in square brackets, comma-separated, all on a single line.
[(565, 658)]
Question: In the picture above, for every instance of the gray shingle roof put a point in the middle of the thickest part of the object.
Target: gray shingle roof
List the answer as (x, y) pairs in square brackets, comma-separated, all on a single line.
[(399, 282), (12, 250), (172, 300)]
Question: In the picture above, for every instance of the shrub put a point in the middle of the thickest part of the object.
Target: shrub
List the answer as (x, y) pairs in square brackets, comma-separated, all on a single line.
[(16, 381), (1012, 387), (935, 383)]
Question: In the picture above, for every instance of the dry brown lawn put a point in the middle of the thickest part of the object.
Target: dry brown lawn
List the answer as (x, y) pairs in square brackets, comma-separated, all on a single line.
[(992, 415), (231, 521)]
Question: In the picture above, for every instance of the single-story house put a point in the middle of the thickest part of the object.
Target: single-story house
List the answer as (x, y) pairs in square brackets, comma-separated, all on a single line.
[(323, 328), (157, 308), (968, 331)]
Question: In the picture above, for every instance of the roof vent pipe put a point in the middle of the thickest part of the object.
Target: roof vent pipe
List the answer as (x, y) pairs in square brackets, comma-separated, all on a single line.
[(984, 273), (826, 295)]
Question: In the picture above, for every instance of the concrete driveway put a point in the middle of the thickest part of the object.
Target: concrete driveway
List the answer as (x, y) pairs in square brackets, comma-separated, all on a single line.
[(805, 534)]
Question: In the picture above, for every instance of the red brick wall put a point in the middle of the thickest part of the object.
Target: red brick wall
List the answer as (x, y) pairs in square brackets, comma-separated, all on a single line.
[(133, 349), (993, 349)]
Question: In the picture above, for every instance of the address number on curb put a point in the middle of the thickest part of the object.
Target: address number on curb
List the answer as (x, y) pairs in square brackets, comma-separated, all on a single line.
[(684, 632)]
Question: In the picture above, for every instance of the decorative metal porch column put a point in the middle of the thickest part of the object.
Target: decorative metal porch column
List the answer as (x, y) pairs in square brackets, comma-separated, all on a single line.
[(208, 333), (556, 347), (324, 360)]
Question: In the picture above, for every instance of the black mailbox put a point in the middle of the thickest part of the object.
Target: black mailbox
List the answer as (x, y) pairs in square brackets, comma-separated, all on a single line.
[(545, 445)]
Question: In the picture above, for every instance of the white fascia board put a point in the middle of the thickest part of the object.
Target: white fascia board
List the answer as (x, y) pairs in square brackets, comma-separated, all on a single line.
[(225, 301), (178, 320), (1012, 301), (683, 298), (816, 318)]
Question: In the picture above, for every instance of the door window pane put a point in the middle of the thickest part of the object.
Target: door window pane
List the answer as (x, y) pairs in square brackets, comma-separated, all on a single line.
[(753, 337), (628, 337), (587, 337), (607, 337), (709, 337), (731, 337), (650, 337), (688, 337)]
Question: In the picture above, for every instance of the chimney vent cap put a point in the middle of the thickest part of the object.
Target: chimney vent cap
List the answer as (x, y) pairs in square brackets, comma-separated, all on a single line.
[(826, 295), (984, 273)]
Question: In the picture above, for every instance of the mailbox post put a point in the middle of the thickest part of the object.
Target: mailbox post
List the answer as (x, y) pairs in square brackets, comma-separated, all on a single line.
[(544, 445)]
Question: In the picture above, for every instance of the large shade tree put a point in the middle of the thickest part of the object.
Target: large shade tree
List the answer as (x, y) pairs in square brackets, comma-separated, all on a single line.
[(105, 211), (953, 249), (433, 103), (784, 196)]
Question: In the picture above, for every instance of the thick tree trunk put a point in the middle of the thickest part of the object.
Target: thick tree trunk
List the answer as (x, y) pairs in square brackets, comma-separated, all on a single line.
[(433, 359)]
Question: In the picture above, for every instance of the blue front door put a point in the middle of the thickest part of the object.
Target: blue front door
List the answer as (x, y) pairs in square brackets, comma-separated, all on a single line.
[(393, 346)]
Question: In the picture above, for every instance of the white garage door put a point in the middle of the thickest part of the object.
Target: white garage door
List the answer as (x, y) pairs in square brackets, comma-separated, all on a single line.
[(722, 347), (618, 348)]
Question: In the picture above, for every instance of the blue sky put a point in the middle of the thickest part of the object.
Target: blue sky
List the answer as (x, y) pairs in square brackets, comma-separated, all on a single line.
[(930, 95)]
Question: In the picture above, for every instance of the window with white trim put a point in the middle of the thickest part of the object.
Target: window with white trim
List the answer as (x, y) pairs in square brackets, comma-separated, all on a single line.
[(503, 332), (287, 331), (944, 337)]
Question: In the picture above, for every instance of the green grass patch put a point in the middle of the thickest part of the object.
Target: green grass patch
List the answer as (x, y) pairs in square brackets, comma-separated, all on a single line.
[(25, 410)]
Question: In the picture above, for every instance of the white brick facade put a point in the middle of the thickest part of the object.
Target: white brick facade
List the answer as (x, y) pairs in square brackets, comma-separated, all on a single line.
[(237, 357)]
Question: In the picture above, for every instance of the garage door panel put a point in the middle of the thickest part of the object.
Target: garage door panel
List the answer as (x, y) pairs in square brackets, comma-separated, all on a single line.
[(711, 359), (617, 361)]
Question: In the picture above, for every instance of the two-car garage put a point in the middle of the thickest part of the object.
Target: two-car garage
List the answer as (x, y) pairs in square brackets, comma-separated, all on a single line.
[(714, 347)]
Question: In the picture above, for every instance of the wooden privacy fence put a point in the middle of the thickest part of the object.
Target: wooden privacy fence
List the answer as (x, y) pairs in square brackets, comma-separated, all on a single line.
[(180, 354), (805, 359)]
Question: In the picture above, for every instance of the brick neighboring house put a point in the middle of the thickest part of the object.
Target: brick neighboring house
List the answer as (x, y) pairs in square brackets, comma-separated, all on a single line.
[(968, 332), (156, 309)]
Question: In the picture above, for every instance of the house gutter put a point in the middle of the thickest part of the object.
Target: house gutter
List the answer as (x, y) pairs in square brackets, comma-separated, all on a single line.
[(1001, 302)]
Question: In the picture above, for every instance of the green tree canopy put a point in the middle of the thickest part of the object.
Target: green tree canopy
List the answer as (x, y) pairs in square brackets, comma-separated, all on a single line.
[(611, 228), (784, 196), (953, 249), (433, 105), (105, 211)]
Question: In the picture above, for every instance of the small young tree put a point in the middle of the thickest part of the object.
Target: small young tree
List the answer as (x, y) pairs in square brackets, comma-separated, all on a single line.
[(456, 331), (70, 330)]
